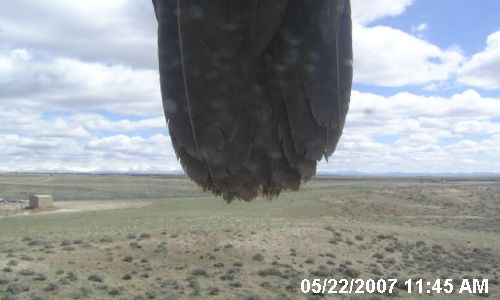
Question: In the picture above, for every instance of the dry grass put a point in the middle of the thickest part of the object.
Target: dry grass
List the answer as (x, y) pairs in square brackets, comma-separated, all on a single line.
[(198, 246)]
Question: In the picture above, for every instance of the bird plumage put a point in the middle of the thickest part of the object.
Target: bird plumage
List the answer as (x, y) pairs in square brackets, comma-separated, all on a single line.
[(254, 92)]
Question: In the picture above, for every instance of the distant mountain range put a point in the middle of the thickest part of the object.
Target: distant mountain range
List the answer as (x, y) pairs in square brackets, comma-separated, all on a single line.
[(347, 173), (410, 174)]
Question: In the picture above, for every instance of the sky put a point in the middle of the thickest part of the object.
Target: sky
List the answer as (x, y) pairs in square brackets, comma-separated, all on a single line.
[(79, 88)]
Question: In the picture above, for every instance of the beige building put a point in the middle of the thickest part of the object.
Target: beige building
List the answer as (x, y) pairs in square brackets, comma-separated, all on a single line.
[(41, 201)]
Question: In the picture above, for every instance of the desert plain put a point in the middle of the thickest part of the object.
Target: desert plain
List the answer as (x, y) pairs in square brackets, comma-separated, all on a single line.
[(161, 237)]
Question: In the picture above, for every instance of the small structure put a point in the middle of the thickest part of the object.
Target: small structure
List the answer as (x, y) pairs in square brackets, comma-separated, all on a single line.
[(40, 201)]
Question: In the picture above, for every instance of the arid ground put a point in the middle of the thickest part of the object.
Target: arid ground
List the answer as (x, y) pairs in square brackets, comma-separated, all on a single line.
[(161, 237)]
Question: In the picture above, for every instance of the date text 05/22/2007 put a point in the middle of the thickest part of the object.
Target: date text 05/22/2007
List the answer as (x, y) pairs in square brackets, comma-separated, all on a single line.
[(389, 286)]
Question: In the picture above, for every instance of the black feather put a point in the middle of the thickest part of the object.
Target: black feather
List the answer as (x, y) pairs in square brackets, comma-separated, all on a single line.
[(254, 92)]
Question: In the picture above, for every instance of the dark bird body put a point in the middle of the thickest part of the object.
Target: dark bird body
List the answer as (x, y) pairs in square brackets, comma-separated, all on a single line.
[(254, 92)]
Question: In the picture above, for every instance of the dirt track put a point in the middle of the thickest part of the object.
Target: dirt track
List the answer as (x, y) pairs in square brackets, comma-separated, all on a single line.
[(79, 206)]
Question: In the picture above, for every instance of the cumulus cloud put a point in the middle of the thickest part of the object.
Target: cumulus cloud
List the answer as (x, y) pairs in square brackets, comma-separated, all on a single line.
[(78, 125), (64, 75), (482, 70), (386, 56), (119, 153), (414, 133), (98, 122), (468, 147), (117, 32), (81, 142), (406, 113), (389, 57), (366, 11), (31, 81)]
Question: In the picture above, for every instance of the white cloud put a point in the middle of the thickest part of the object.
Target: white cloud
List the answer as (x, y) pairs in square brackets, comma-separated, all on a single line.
[(386, 56), (118, 31), (33, 82), (79, 125), (365, 11), (482, 70), (98, 122), (471, 150), (114, 153), (420, 29), (31, 141), (472, 127), (413, 133), (31, 123), (84, 56), (61, 78), (406, 113)]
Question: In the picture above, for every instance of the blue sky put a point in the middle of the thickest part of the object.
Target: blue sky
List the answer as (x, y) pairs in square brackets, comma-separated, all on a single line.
[(462, 22), (79, 89)]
